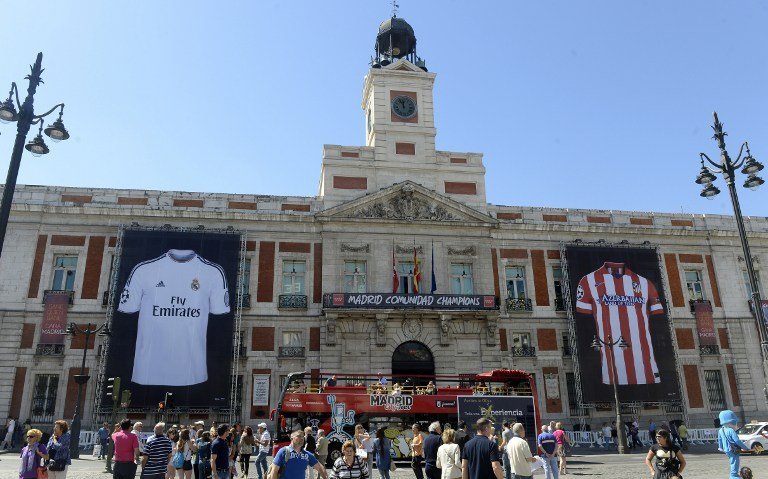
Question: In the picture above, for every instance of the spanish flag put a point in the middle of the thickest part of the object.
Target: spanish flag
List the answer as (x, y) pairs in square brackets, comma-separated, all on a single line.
[(416, 271)]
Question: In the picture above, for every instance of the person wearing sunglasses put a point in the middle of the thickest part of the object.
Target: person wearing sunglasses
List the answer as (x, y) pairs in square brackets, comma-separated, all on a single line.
[(33, 456), (669, 458)]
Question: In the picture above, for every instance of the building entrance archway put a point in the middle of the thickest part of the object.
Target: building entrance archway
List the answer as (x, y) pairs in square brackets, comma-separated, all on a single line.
[(413, 360)]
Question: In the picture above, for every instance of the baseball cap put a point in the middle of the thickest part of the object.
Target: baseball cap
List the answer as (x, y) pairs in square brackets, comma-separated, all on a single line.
[(262, 424)]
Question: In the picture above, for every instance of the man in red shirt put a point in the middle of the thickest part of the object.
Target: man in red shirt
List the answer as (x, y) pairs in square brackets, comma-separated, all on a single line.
[(126, 452)]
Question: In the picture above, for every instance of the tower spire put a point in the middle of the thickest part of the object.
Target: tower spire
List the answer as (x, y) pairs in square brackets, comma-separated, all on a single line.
[(395, 6)]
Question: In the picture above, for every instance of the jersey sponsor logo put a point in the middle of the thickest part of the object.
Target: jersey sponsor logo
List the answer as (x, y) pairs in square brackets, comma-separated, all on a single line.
[(621, 300)]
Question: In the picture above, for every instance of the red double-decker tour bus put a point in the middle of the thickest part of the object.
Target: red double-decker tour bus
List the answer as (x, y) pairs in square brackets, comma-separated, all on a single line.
[(337, 402)]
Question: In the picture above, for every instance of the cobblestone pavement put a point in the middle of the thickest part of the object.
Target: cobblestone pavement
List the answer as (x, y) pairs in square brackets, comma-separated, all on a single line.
[(703, 463)]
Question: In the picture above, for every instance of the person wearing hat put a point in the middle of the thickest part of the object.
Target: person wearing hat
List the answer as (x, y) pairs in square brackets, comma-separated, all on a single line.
[(728, 441), (263, 439)]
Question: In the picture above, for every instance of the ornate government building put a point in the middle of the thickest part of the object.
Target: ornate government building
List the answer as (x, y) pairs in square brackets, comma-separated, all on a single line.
[(395, 193)]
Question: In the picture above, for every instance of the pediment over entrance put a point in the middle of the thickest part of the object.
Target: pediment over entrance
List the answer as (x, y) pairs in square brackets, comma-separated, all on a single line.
[(406, 201)]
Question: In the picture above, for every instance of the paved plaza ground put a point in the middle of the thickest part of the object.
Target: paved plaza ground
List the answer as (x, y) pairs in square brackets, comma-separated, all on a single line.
[(703, 463)]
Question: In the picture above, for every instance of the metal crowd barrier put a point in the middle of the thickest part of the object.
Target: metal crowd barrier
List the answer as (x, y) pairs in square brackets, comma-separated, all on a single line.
[(594, 439)]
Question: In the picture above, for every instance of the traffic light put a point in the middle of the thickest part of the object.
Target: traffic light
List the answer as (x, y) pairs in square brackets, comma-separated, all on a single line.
[(113, 388), (169, 401), (125, 398), (161, 405)]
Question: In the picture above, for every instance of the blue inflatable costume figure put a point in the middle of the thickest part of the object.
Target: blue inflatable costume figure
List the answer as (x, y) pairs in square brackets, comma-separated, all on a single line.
[(728, 442)]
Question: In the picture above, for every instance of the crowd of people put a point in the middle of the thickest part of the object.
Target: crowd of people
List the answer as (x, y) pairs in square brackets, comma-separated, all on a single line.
[(441, 453)]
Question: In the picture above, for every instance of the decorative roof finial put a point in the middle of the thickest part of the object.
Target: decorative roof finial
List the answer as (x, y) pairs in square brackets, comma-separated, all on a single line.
[(395, 6)]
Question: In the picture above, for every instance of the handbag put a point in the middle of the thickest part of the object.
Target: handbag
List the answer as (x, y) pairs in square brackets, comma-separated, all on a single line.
[(178, 460), (42, 473), (392, 466)]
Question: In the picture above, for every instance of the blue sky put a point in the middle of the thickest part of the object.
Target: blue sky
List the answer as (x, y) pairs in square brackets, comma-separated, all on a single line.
[(575, 104)]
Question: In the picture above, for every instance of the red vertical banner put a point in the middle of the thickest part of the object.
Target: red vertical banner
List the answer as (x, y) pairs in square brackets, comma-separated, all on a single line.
[(705, 323), (54, 326)]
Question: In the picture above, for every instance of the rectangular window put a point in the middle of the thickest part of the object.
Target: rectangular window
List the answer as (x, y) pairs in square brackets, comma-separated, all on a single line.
[(566, 344), (570, 386), (64, 271), (354, 277), (515, 282), (292, 339), (461, 278), (405, 274), (44, 398), (245, 279), (521, 340), (294, 275), (715, 392), (557, 282), (694, 285), (749, 287)]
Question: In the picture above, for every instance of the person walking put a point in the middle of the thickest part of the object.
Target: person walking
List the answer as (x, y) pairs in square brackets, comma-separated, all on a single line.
[(480, 458), (520, 453), (360, 441), (349, 465), (126, 452), (381, 448), (10, 428), (682, 431), (417, 451), (322, 447), (506, 436), (462, 435), (202, 464), (548, 447), (652, 430), (669, 459), (220, 454), (449, 456), (103, 434), (561, 440), (58, 450), (173, 435), (247, 444), (157, 454), (606, 431), (728, 441), (33, 455), (138, 428), (291, 462), (264, 440), (185, 447), (431, 444)]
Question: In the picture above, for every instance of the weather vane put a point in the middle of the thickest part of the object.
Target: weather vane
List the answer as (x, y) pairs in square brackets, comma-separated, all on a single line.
[(395, 6)]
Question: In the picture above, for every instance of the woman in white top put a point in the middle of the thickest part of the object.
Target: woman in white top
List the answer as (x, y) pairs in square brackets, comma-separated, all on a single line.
[(449, 456)]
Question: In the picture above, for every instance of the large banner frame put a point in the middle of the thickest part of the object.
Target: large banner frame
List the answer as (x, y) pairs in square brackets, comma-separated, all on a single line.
[(500, 409), (671, 405), (100, 409)]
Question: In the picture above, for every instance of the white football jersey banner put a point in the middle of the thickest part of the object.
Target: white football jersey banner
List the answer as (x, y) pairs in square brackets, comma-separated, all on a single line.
[(174, 294)]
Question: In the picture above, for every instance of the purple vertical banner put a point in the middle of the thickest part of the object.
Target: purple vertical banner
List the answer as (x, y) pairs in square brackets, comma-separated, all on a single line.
[(705, 323), (54, 326)]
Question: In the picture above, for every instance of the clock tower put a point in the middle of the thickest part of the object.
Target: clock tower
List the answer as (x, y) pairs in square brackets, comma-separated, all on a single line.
[(400, 131)]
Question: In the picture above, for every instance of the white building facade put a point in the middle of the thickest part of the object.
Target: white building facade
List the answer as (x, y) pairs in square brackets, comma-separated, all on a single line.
[(396, 193)]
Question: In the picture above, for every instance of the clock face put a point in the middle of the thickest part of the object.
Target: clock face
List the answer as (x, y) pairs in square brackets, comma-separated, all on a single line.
[(404, 107)]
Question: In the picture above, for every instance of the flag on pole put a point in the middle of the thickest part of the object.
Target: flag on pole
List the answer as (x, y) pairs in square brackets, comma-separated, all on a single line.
[(416, 270), (395, 277), (434, 280)]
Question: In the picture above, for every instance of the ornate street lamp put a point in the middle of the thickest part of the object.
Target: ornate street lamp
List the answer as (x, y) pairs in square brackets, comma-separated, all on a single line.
[(609, 343), (25, 117), (81, 379), (727, 168)]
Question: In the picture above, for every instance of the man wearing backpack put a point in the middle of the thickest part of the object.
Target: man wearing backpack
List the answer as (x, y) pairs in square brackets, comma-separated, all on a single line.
[(291, 462)]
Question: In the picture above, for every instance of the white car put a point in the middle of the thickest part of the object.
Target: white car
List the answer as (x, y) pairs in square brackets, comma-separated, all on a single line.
[(755, 436)]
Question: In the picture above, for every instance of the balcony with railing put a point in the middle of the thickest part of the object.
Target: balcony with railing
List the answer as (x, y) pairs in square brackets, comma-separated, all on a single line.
[(67, 292), (54, 350), (559, 304), (292, 301), (517, 305), (245, 301), (566, 350), (290, 352), (523, 351), (692, 304), (709, 350)]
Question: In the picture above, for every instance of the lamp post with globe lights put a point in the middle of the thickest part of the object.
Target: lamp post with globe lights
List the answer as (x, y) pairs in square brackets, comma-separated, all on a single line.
[(25, 117), (727, 168)]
